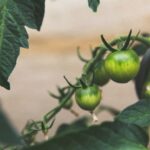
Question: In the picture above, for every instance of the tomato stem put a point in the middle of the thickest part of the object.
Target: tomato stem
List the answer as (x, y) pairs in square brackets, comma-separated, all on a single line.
[(53, 95), (74, 112), (70, 84), (80, 57), (46, 137), (94, 117), (83, 84), (99, 52)]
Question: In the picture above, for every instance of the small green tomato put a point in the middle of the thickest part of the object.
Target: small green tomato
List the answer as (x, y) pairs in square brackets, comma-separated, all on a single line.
[(146, 90), (101, 77), (122, 65), (88, 98)]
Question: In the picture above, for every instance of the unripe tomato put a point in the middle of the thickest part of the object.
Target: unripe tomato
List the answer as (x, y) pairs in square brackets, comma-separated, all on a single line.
[(122, 66), (101, 77), (88, 98), (146, 90)]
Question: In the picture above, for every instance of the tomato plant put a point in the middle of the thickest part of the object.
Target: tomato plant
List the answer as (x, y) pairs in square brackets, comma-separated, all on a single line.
[(128, 129), (101, 76)]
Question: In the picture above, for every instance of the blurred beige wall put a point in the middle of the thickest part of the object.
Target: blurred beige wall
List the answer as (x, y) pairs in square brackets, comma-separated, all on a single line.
[(74, 18), (52, 54)]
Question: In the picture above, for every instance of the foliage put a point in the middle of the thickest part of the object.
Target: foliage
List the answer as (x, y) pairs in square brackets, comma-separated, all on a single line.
[(138, 114), (93, 4), (109, 135), (14, 16), (128, 131)]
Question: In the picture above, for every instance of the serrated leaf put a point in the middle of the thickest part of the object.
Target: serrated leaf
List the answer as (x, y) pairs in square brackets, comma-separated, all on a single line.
[(143, 73), (32, 12), (138, 113), (14, 16), (108, 136), (93, 4)]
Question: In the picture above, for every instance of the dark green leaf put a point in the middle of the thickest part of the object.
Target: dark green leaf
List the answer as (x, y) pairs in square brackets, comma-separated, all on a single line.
[(8, 134), (93, 4), (138, 114), (108, 136), (77, 125), (32, 12), (14, 16), (143, 73)]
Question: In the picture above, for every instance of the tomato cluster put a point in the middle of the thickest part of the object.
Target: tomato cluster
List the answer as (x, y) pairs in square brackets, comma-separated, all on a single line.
[(121, 65)]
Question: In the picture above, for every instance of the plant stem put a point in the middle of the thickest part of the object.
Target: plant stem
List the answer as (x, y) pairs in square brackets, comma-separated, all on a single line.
[(94, 117), (74, 112), (109, 109)]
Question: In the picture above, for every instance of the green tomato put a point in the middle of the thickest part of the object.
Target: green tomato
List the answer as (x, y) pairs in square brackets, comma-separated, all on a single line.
[(101, 77), (122, 66), (146, 90), (88, 98)]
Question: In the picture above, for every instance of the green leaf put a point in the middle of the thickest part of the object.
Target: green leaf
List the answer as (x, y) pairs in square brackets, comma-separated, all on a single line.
[(8, 134), (93, 4), (108, 136), (35, 9), (14, 16), (138, 113), (77, 125)]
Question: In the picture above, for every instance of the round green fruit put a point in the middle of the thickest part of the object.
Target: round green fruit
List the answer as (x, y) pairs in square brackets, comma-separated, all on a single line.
[(146, 90), (101, 77), (88, 98), (122, 66)]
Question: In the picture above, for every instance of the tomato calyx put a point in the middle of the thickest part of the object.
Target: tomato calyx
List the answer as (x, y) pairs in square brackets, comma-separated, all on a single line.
[(80, 56), (62, 93), (124, 47), (83, 82)]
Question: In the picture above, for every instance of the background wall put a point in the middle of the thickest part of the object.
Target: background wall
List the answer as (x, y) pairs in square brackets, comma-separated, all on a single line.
[(52, 54)]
